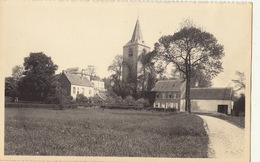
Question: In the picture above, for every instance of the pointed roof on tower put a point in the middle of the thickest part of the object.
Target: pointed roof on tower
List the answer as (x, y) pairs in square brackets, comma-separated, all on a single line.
[(137, 34), (137, 37)]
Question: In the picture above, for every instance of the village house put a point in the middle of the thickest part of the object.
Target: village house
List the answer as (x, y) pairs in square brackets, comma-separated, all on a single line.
[(168, 93), (76, 81), (171, 94), (75, 84)]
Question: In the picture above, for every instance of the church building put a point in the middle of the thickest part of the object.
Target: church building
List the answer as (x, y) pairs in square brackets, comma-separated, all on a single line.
[(131, 52)]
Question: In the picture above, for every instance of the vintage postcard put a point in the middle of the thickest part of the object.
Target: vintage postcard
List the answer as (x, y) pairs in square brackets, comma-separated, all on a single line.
[(87, 80)]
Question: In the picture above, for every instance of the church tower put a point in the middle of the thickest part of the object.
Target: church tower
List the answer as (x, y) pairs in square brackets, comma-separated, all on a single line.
[(131, 51)]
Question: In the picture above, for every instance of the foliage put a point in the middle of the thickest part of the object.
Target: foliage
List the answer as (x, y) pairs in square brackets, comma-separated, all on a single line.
[(238, 121), (199, 79), (82, 99), (31, 105), (143, 102), (11, 88), (116, 77), (11, 83), (239, 105), (129, 100), (192, 49), (17, 72), (147, 77), (39, 76)]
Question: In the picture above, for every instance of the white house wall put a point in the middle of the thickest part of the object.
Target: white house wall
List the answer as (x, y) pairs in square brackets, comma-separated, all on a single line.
[(88, 91), (207, 105)]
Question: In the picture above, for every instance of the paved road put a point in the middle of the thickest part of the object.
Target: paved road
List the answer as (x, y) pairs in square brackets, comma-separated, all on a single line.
[(225, 140)]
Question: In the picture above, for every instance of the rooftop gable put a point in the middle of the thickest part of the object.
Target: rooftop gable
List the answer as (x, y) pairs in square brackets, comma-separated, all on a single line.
[(211, 93), (168, 85), (78, 80)]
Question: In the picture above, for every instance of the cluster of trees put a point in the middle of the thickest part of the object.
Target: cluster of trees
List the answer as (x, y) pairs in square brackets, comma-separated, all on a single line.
[(196, 58), (35, 81), (194, 53)]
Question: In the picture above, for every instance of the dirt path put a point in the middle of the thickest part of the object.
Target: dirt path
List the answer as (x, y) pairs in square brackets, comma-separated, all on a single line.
[(225, 140)]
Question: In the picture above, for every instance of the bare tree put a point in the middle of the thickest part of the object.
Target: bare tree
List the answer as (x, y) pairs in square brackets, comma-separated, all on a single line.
[(91, 71), (240, 81)]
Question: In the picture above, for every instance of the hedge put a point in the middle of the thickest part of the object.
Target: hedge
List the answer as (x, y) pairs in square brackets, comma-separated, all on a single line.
[(137, 108), (32, 105)]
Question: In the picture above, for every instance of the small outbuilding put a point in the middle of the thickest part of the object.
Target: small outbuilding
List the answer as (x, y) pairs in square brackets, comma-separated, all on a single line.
[(210, 100), (171, 94)]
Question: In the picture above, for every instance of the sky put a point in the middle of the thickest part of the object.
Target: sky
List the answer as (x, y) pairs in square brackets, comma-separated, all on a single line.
[(82, 33)]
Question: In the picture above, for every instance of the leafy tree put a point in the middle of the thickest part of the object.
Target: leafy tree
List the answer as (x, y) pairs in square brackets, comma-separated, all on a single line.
[(116, 77), (17, 72), (11, 83), (38, 79), (147, 77), (192, 49), (11, 87), (239, 105), (199, 79)]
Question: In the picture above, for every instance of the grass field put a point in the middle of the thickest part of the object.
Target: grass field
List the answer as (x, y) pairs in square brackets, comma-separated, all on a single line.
[(97, 132), (236, 120)]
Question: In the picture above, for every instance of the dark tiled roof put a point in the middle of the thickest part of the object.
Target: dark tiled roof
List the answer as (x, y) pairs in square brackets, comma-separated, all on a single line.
[(168, 85), (76, 80), (211, 93)]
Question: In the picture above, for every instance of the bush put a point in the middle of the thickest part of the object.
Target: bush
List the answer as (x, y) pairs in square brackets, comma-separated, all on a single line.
[(53, 100), (31, 105), (129, 100), (81, 99), (142, 102)]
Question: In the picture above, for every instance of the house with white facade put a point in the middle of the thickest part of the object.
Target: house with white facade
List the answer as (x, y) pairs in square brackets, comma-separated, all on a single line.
[(171, 94), (75, 84)]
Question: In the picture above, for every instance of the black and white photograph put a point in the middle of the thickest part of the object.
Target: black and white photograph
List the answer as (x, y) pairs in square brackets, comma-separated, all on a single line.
[(126, 80)]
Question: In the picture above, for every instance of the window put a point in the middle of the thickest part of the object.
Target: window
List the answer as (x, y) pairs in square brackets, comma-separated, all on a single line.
[(83, 91), (90, 92), (130, 54), (156, 104), (78, 90), (163, 95), (174, 95), (74, 90), (157, 95), (169, 95)]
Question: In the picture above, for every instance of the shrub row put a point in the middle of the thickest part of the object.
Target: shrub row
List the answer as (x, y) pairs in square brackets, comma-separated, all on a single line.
[(47, 106), (31, 105), (137, 108)]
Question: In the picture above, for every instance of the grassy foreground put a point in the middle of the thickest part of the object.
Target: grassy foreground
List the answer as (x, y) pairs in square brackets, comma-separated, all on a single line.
[(94, 132), (236, 120)]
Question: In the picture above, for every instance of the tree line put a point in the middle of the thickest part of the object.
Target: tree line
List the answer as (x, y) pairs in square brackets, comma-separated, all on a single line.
[(194, 54)]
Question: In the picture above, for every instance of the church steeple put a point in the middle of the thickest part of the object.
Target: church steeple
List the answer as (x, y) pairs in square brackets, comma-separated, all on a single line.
[(137, 36), (131, 52)]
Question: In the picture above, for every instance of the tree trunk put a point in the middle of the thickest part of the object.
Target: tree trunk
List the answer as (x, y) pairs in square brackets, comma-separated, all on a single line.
[(187, 90), (188, 93), (188, 84), (143, 82)]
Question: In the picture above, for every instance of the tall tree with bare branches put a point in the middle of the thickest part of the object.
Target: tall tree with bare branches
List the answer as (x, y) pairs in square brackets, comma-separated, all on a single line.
[(192, 49)]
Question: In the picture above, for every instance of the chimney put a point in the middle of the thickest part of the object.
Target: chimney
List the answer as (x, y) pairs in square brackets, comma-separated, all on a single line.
[(82, 73)]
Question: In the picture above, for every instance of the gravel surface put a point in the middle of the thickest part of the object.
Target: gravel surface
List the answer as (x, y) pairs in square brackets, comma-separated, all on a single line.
[(225, 140)]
